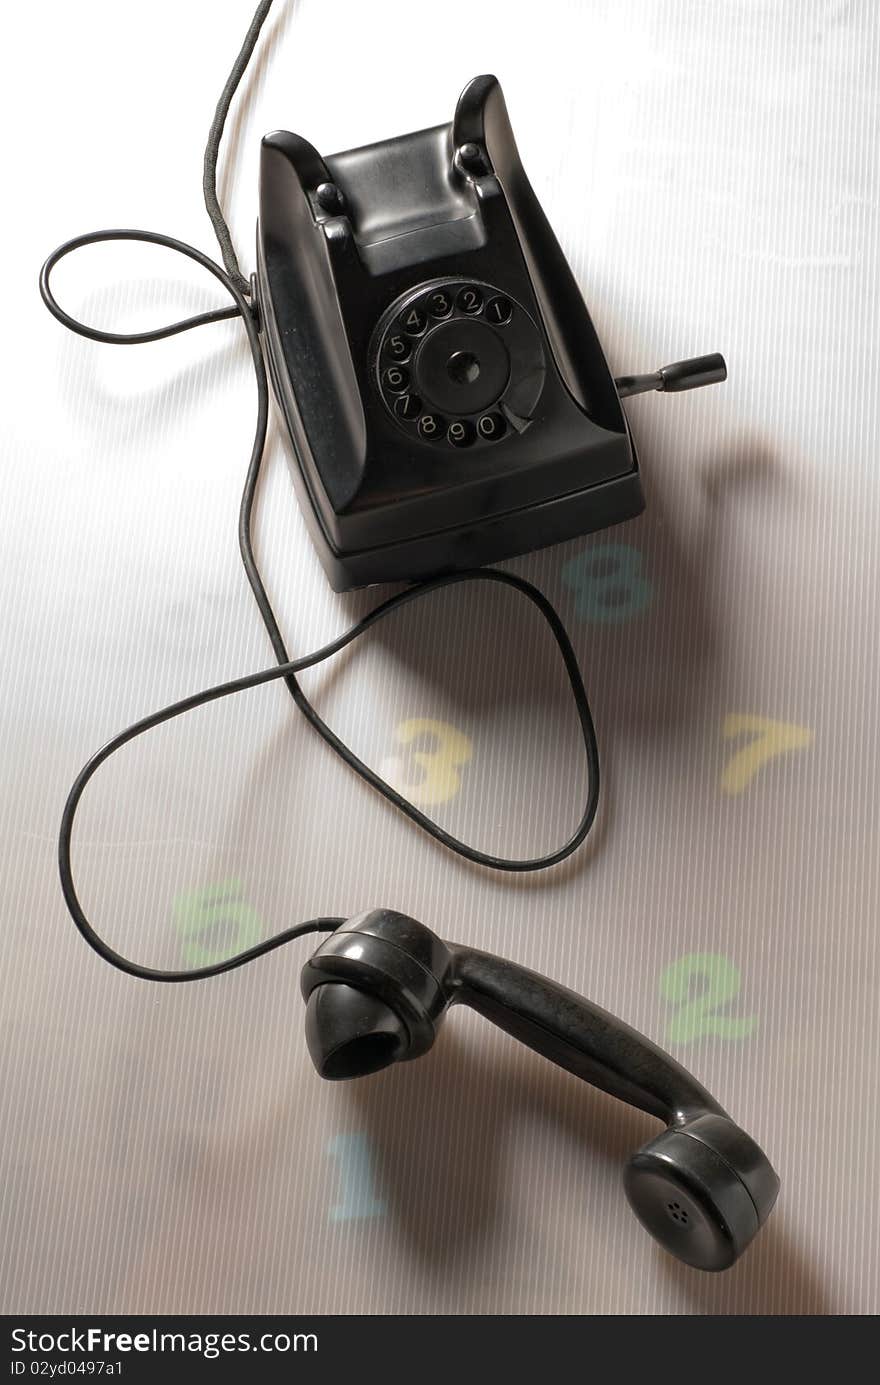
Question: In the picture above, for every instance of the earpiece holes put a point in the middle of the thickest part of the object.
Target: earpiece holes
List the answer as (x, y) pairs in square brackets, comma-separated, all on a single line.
[(677, 1213)]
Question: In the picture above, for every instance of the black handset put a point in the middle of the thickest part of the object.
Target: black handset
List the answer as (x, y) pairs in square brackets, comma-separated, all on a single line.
[(377, 990), (445, 392)]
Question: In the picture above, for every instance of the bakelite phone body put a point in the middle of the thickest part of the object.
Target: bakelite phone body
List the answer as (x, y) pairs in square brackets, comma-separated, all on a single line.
[(445, 392)]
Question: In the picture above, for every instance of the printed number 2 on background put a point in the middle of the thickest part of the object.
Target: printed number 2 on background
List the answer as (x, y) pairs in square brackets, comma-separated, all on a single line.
[(769, 739), (716, 982), (359, 1199), (427, 770)]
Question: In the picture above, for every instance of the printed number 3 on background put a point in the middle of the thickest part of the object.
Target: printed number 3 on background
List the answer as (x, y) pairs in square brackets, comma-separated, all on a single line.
[(719, 982), (769, 739), (608, 583), (428, 769)]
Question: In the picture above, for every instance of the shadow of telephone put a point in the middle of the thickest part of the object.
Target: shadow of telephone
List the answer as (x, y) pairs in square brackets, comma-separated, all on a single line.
[(445, 392)]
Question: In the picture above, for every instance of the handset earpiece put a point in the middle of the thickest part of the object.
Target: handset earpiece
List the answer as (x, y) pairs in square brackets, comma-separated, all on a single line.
[(377, 990)]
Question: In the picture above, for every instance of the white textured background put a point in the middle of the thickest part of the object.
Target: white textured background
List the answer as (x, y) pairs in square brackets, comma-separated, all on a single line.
[(712, 172)]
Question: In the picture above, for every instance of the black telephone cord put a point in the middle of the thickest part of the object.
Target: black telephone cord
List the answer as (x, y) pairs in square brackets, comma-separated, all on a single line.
[(238, 289)]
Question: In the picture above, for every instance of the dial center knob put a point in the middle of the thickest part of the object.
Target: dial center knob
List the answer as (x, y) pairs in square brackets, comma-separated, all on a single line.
[(461, 367)]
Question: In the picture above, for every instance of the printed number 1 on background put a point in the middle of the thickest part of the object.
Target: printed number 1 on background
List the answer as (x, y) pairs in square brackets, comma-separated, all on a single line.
[(359, 1199)]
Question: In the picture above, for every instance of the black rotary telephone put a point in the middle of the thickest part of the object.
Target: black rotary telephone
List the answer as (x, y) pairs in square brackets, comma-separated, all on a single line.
[(445, 392), (449, 404)]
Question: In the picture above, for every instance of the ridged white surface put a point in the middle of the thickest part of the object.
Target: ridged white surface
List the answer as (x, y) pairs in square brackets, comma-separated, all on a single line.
[(712, 173)]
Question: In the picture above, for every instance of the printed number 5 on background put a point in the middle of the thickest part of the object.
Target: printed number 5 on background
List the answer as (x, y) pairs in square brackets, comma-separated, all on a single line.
[(428, 769), (215, 923), (769, 739)]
